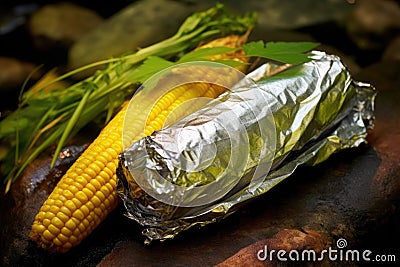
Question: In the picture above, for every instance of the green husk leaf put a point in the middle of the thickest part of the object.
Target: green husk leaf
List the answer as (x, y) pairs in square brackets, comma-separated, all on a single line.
[(286, 52)]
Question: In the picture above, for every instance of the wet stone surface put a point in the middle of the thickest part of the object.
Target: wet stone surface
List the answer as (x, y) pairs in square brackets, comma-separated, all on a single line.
[(354, 195)]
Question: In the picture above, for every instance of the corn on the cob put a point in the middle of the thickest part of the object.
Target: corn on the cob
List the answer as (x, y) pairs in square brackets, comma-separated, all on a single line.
[(86, 194)]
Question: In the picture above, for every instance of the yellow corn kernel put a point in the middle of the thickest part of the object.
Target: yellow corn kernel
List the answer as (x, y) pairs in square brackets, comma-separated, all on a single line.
[(53, 229), (78, 214), (76, 202), (70, 224), (96, 201), (81, 196), (62, 216), (63, 238), (48, 235), (57, 241), (66, 232), (86, 194), (57, 222)]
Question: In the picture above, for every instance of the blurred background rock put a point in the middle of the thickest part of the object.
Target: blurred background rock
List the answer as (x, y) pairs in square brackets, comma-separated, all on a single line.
[(69, 34)]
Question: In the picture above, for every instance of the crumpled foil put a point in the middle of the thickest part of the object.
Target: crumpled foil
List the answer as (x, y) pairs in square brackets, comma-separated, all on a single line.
[(300, 115)]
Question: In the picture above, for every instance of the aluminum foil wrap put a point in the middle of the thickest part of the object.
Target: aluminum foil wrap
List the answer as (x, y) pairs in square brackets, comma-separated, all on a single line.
[(239, 146)]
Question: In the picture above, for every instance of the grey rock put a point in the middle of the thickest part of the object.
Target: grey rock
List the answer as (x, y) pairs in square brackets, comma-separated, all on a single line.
[(22, 203), (61, 24), (276, 35), (392, 51), (372, 22), (287, 14), (13, 72)]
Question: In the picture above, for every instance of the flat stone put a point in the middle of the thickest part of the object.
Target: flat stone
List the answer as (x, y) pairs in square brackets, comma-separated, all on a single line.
[(258, 254), (286, 14), (392, 51), (21, 204), (61, 24), (372, 22), (13, 72)]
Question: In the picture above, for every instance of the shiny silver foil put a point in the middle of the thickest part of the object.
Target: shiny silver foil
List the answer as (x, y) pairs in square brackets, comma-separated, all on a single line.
[(300, 115)]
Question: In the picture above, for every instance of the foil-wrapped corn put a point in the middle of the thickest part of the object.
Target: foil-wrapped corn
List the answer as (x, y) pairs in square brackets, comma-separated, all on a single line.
[(240, 145)]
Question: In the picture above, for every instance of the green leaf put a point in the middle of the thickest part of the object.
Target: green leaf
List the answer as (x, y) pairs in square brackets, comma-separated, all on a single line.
[(21, 119), (28, 158), (203, 53), (150, 66), (70, 125), (153, 64), (228, 62), (286, 52)]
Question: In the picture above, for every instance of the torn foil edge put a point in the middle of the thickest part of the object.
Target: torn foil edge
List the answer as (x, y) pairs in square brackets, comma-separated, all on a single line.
[(350, 131)]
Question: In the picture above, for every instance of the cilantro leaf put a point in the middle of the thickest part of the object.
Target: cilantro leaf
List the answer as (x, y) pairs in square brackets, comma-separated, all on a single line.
[(150, 66), (286, 52)]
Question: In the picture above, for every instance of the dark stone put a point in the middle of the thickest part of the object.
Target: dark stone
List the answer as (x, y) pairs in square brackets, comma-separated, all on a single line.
[(286, 240), (60, 25), (371, 23), (392, 51), (22, 203), (14, 72)]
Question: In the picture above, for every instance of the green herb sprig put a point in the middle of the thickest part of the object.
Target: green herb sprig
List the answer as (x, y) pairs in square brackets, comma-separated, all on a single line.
[(47, 117)]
